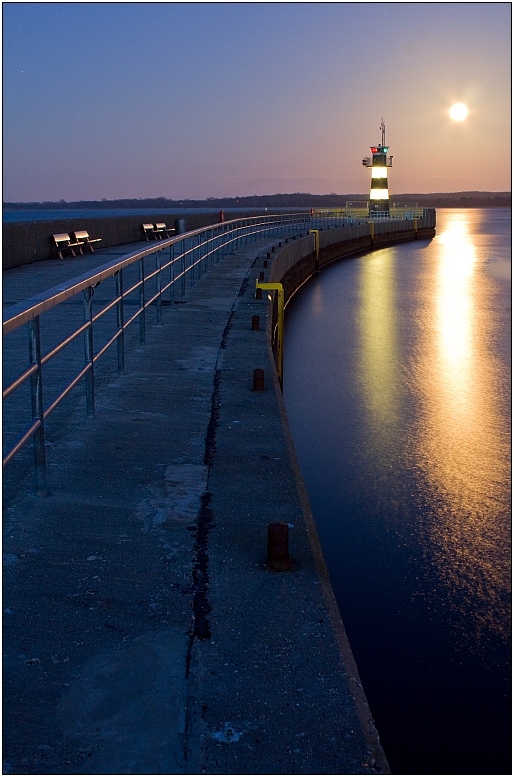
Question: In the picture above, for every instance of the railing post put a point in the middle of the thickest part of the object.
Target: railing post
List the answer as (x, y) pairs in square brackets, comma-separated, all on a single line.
[(36, 395), (316, 248), (199, 256), (172, 272), (158, 285), (278, 287), (192, 260), (205, 250), (88, 351), (183, 268), (142, 321), (120, 322)]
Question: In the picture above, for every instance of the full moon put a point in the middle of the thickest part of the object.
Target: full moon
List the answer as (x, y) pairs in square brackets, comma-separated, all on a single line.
[(458, 112)]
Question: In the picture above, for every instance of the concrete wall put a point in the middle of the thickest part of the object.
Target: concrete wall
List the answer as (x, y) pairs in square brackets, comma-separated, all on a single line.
[(31, 241), (296, 262)]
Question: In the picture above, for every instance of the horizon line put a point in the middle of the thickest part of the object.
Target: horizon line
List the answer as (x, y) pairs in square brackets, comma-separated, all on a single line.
[(252, 196)]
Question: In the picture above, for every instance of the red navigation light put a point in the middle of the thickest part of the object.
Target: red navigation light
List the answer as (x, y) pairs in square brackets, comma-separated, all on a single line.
[(374, 150)]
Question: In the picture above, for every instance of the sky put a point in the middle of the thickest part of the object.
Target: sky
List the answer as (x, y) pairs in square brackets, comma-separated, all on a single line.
[(196, 100)]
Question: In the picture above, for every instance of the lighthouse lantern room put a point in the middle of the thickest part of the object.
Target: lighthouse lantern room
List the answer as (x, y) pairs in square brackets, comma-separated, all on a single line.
[(379, 162)]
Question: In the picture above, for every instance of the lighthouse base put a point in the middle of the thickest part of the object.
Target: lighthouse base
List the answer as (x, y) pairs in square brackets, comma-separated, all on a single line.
[(378, 205)]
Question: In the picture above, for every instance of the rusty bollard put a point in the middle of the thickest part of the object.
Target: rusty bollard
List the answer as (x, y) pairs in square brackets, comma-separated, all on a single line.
[(278, 547), (258, 293), (261, 276), (268, 255), (258, 380), (255, 323), (265, 263), (273, 249), (280, 245)]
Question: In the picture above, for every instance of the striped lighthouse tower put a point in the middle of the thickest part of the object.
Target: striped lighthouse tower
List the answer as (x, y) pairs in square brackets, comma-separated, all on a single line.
[(379, 162)]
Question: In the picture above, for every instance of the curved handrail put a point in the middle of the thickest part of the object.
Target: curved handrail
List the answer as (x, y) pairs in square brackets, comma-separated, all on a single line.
[(18, 314), (187, 251)]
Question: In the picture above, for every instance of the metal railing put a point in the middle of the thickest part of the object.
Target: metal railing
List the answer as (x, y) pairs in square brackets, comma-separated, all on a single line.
[(330, 218), (360, 213), (368, 161), (398, 214), (132, 282)]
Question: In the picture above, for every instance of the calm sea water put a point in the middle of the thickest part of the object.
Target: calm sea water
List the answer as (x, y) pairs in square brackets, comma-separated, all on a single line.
[(10, 216), (397, 388)]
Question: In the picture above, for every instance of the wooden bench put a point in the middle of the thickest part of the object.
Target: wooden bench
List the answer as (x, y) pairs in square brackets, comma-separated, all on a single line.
[(82, 238), (167, 231), (63, 241)]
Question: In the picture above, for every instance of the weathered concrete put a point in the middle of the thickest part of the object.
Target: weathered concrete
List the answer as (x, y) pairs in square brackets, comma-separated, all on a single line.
[(143, 632)]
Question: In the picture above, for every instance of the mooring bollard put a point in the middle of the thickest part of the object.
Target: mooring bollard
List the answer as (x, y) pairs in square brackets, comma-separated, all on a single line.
[(261, 276), (273, 249), (278, 547), (258, 293), (268, 256), (255, 323), (258, 380), (265, 263)]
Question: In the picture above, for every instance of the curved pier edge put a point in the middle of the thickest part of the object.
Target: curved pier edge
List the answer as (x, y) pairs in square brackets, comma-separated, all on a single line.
[(363, 710), (294, 265)]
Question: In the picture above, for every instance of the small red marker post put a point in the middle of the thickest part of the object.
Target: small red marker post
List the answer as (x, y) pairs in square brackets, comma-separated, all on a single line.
[(278, 547), (258, 380)]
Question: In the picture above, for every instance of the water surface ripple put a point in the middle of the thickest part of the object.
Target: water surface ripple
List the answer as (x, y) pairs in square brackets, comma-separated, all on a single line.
[(397, 388)]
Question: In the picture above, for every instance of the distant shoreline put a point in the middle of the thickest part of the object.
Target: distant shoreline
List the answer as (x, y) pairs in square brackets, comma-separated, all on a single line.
[(468, 199)]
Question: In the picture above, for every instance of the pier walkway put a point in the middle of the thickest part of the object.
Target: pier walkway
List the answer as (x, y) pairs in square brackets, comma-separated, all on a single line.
[(142, 631)]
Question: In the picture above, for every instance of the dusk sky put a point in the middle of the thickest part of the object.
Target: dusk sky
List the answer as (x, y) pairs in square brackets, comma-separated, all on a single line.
[(194, 100)]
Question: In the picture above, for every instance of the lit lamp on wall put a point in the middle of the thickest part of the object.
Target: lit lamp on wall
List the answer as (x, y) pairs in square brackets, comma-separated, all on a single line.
[(379, 162)]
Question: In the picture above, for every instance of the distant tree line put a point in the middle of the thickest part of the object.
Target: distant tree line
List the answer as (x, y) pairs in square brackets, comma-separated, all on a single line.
[(297, 200)]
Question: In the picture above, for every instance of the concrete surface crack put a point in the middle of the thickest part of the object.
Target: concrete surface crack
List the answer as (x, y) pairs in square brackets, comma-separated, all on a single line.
[(201, 607)]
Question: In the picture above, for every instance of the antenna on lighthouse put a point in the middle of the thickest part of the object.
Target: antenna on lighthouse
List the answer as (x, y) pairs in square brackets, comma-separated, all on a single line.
[(383, 129)]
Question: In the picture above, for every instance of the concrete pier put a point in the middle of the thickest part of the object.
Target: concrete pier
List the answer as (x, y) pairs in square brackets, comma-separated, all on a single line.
[(143, 632)]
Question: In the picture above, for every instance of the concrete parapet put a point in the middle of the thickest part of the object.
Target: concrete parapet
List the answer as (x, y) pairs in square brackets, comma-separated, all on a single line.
[(26, 242), (295, 263)]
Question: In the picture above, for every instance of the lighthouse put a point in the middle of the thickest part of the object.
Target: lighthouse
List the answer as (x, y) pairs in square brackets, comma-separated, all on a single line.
[(379, 162)]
